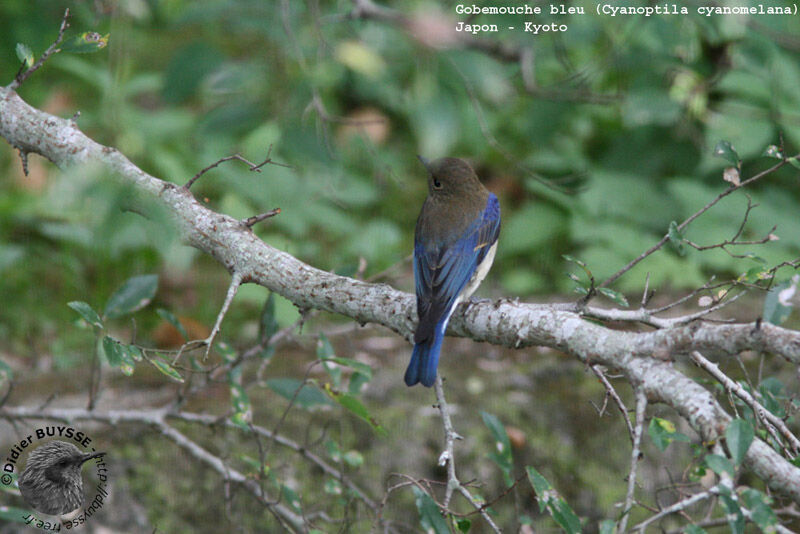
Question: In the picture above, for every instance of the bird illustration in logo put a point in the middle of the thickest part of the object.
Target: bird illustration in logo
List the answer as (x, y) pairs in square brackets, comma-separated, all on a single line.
[(51, 481)]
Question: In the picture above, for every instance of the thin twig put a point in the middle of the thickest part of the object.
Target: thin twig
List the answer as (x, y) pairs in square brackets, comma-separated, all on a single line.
[(677, 507), (766, 417), (645, 316), (447, 457), (689, 220), (251, 221), (52, 49), (256, 167), (610, 391), (236, 281), (641, 407)]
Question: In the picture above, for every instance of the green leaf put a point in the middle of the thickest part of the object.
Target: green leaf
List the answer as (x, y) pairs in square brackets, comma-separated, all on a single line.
[(268, 325), (240, 402), (732, 512), (227, 352), (307, 398), (676, 239), (754, 274), (241, 419), (775, 311), (357, 381), (326, 353), (663, 432), (725, 150), (616, 296), (112, 352), (171, 319), (772, 397), (333, 450), (85, 43), (502, 457), (549, 498), (354, 458), (739, 435), (756, 258), (25, 55), (166, 368), (134, 352), (86, 312), (581, 290), (794, 162), (694, 529), (118, 355), (135, 294), (360, 367), (572, 259), (719, 464), (332, 487), (772, 151), (579, 263), (292, 499), (356, 407), (430, 517), (463, 525), (760, 510)]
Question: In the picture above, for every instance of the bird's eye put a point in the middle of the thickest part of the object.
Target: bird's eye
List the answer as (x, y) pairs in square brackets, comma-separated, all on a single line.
[(437, 184)]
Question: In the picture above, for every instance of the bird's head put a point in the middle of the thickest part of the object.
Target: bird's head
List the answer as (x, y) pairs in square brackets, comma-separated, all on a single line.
[(59, 460), (450, 176)]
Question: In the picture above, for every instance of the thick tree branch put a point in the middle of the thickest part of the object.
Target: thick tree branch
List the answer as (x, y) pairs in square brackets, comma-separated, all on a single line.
[(505, 322)]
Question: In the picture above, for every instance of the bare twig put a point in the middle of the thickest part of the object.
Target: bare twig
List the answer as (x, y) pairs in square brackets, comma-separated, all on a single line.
[(94, 378), (636, 451), (677, 507), (647, 317), (764, 415), (52, 49), (256, 167), (611, 392), (251, 221), (735, 241), (236, 281), (611, 279), (447, 458)]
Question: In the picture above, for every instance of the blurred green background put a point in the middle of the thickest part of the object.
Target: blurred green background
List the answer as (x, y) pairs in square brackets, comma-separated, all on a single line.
[(594, 142)]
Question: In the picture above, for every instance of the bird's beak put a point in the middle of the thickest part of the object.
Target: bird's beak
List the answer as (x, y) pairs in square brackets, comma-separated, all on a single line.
[(425, 162), (89, 456)]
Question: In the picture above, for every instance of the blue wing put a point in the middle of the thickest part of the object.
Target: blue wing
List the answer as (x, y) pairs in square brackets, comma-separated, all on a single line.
[(441, 273)]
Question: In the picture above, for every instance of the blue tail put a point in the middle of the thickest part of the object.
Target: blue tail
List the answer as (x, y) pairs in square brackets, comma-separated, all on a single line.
[(424, 360)]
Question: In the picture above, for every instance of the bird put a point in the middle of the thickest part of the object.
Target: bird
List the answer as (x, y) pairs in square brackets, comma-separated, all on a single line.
[(51, 481), (455, 241)]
